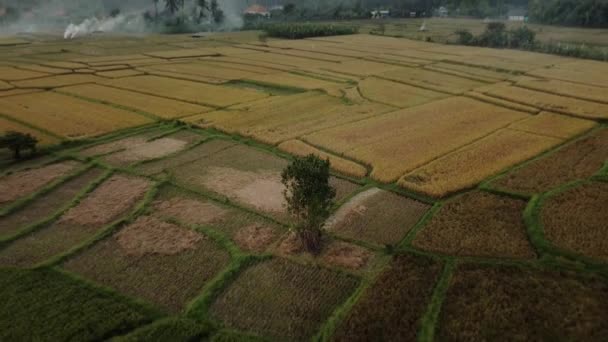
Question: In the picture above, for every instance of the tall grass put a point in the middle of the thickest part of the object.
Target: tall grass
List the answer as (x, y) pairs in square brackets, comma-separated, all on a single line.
[(306, 30)]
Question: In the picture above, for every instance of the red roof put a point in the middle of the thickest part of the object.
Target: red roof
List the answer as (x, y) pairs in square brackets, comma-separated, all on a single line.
[(256, 9)]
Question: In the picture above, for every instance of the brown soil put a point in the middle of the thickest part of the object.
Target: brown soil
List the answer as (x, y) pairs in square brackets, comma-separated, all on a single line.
[(391, 310), (189, 211), (114, 146), (22, 183), (157, 273), (377, 216), (290, 245), (112, 199), (255, 237), (150, 150), (343, 188), (44, 206), (579, 160), (107, 202), (577, 220), (478, 224), (191, 155), (282, 300), (346, 255), (149, 235), (508, 303), (261, 190), (334, 253)]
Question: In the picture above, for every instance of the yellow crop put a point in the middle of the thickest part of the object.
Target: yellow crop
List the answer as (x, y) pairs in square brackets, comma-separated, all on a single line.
[(554, 125), (401, 141), (582, 91), (472, 164), (432, 80), (43, 139), (187, 91), (396, 94), (158, 106), (67, 116), (58, 81), (550, 102), (281, 118), (342, 165), (14, 74)]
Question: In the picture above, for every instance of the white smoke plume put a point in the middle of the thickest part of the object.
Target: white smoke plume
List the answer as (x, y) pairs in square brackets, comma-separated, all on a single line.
[(121, 23)]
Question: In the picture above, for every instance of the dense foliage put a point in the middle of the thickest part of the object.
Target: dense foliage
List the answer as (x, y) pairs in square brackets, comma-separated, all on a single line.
[(309, 196), (592, 13), (496, 35), (306, 30), (16, 142)]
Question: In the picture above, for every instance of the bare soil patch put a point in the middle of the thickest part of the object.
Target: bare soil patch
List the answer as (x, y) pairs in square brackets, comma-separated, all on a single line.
[(346, 255), (577, 220), (181, 159), (25, 182), (148, 235), (343, 187), (114, 146), (392, 309), (578, 160), (377, 216), (112, 199), (149, 150), (282, 300), (508, 303), (164, 264), (189, 211), (478, 224), (261, 190), (250, 232), (255, 237), (47, 204), (107, 202), (334, 253)]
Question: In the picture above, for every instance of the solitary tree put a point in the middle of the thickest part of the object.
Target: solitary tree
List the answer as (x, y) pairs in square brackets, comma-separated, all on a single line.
[(309, 197), (17, 142)]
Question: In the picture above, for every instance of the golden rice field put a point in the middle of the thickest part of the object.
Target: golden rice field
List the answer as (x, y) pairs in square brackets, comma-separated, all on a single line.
[(379, 107), (471, 189)]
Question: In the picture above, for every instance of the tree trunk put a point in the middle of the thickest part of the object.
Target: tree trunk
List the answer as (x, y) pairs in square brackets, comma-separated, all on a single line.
[(17, 152), (311, 239)]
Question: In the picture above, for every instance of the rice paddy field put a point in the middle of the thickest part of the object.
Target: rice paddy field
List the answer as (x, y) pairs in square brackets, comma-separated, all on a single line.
[(472, 190)]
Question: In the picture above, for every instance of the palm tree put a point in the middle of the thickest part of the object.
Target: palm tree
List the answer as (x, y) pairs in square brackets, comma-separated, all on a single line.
[(173, 5), (155, 9)]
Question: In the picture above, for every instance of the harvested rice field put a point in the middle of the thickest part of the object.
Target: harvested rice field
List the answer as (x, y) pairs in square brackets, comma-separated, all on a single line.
[(264, 297), (376, 216), (471, 189), (575, 220), (492, 302), (391, 309), (580, 159), (477, 224), (158, 261)]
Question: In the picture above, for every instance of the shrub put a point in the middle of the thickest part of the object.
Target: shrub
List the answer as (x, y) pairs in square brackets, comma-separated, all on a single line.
[(306, 30), (16, 141), (521, 37), (465, 37), (309, 197), (495, 35)]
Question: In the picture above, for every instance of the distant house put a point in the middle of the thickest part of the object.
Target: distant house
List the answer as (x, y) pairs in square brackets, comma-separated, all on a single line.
[(517, 14), (380, 14), (257, 10), (442, 12)]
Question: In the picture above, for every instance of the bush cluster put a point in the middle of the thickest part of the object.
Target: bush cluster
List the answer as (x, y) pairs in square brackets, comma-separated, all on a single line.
[(496, 35), (306, 30)]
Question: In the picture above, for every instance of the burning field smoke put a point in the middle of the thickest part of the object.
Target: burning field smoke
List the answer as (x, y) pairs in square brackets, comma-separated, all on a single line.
[(76, 18)]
